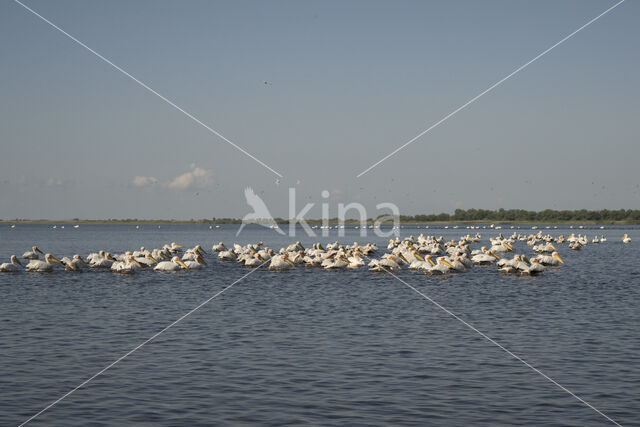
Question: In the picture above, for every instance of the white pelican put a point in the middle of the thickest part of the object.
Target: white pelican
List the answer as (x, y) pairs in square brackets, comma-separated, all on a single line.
[(339, 262), (128, 266), (33, 254), (192, 254), (386, 263), (11, 267), (355, 261), (255, 261), (488, 257), (174, 265), (219, 247), (176, 247), (424, 265), (195, 264), (554, 259), (74, 264), (441, 267), (104, 260), (503, 246), (280, 263), (546, 248), (40, 266), (227, 255), (146, 261), (535, 268), (626, 238)]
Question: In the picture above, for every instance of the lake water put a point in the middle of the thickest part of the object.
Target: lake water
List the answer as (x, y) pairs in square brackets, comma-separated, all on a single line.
[(316, 347)]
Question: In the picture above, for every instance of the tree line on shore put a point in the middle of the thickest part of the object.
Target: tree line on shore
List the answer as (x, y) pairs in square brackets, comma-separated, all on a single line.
[(604, 216)]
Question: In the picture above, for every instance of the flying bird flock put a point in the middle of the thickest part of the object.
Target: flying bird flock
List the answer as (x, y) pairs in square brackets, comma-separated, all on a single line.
[(428, 255)]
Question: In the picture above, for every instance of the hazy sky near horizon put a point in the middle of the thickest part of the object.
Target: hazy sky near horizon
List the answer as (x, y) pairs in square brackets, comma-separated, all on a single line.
[(349, 83)]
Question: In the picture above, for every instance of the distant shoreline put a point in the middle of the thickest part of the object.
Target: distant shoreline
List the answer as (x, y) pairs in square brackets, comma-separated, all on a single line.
[(310, 222), (460, 216)]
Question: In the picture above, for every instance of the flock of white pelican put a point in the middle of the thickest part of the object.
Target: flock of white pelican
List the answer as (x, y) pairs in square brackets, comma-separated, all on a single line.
[(426, 254)]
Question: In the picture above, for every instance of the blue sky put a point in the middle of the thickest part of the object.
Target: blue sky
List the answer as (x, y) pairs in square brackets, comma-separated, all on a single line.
[(350, 82)]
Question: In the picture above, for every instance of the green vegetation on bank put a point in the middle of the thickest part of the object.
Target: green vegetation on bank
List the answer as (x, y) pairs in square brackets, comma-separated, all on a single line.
[(469, 216)]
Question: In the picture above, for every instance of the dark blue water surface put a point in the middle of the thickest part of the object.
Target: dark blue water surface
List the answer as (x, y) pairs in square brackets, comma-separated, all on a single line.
[(313, 346)]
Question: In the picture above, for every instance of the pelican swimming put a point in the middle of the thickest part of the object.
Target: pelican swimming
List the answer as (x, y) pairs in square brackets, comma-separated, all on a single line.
[(339, 262), (128, 266), (280, 263), (196, 263), (175, 264), (535, 268), (11, 267), (487, 257), (219, 247), (192, 254), (227, 255), (74, 264), (254, 261), (355, 261), (33, 254), (39, 266), (146, 261), (442, 267), (626, 238), (553, 259), (103, 260)]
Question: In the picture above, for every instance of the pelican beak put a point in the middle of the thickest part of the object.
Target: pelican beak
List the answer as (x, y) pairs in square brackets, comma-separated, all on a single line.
[(56, 260), (445, 262), (508, 246), (494, 255), (418, 256), (179, 246), (554, 248), (38, 250), (320, 246), (431, 261), (83, 262), (137, 263), (302, 247), (201, 261), (558, 258), (152, 259), (182, 264), (260, 258), (289, 262), (18, 261)]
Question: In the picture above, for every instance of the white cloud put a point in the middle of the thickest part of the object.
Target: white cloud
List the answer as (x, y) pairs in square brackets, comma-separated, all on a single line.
[(143, 181), (195, 178)]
